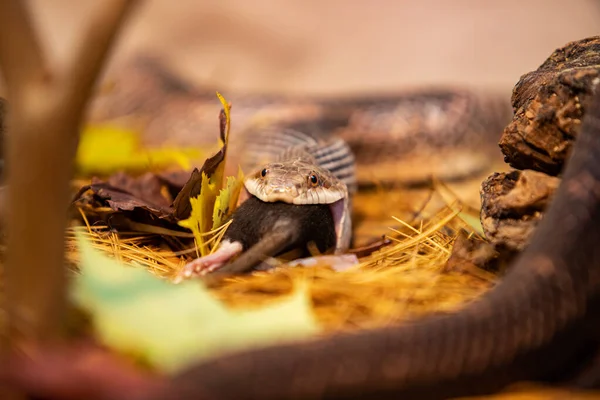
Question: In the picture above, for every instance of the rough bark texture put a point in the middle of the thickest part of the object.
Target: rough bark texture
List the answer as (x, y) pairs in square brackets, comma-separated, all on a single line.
[(2, 131), (512, 205), (549, 104)]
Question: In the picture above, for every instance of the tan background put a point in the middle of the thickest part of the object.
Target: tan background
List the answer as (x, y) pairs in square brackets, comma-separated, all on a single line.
[(337, 45)]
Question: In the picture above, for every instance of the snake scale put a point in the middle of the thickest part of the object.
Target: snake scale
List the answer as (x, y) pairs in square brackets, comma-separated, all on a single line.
[(359, 141), (456, 129), (311, 162), (534, 324)]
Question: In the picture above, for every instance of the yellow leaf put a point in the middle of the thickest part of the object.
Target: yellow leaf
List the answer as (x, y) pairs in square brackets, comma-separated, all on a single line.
[(473, 220), (236, 195), (204, 207), (227, 110), (200, 219), (171, 326), (227, 199), (107, 149)]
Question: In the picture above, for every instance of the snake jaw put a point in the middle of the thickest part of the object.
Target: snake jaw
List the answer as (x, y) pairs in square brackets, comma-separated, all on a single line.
[(340, 210), (286, 192), (289, 193), (244, 195)]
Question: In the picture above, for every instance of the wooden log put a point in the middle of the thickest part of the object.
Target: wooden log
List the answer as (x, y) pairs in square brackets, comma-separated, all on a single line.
[(549, 104), (513, 204)]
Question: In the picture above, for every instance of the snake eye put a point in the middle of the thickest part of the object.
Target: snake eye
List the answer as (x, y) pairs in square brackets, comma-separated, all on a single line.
[(264, 172), (312, 178)]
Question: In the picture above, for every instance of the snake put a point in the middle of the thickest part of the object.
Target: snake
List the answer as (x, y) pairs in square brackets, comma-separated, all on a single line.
[(537, 323), (316, 160), (294, 168), (307, 171)]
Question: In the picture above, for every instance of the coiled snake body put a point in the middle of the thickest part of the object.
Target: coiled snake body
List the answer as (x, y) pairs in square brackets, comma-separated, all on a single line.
[(316, 160), (535, 322), (530, 326)]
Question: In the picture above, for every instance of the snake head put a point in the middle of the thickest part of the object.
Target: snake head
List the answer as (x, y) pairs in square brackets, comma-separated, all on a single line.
[(299, 182), (295, 182)]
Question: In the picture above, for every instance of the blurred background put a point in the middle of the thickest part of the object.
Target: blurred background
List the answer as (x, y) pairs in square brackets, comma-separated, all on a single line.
[(336, 46)]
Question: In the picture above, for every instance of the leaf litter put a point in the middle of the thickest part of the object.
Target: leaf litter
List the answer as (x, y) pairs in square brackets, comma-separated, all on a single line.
[(404, 277), (404, 239)]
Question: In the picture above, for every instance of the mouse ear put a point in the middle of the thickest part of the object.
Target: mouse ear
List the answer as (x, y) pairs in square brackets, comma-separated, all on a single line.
[(340, 210)]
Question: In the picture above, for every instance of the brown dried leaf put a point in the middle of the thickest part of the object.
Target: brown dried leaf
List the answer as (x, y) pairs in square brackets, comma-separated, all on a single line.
[(144, 200), (213, 168)]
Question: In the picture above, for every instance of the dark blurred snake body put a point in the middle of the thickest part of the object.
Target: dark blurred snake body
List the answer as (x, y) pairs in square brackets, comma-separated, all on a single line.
[(536, 324), (533, 325)]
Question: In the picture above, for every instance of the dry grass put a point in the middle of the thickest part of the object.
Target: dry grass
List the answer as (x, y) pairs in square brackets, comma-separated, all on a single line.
[(407, 279), (403, 280)]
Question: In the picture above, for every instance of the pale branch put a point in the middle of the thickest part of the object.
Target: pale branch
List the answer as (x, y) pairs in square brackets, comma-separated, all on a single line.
[(86, 61), (21, 58), (42, 142)]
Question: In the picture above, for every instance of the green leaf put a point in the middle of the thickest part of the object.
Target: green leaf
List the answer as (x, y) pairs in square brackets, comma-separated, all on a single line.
[(171, 325), (467, 214), (473, 221)]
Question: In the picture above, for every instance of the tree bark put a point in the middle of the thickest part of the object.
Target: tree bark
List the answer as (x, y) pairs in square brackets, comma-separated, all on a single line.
[(512, 204), (549, 104), (45, 114)]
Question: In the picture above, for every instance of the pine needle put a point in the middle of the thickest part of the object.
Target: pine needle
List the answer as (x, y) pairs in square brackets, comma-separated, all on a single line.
[(401, 281)]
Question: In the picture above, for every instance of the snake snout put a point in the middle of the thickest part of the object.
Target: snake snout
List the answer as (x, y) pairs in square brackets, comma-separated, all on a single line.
[(282, 189)]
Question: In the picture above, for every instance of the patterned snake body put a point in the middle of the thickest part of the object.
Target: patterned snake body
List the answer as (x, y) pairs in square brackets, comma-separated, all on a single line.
[(405, 139), (344, 144), (535, 324), (315, 161)]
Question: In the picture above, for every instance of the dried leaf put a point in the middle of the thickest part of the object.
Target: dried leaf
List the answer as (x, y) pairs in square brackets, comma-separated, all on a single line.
[(200, 219), (227, 199), (148, 187), (121, 200), (213, 167), (170, 325), (149, 195)]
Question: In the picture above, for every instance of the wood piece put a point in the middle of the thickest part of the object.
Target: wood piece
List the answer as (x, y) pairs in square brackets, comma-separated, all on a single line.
[(512, 205), (549, 104), (45, 116)]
